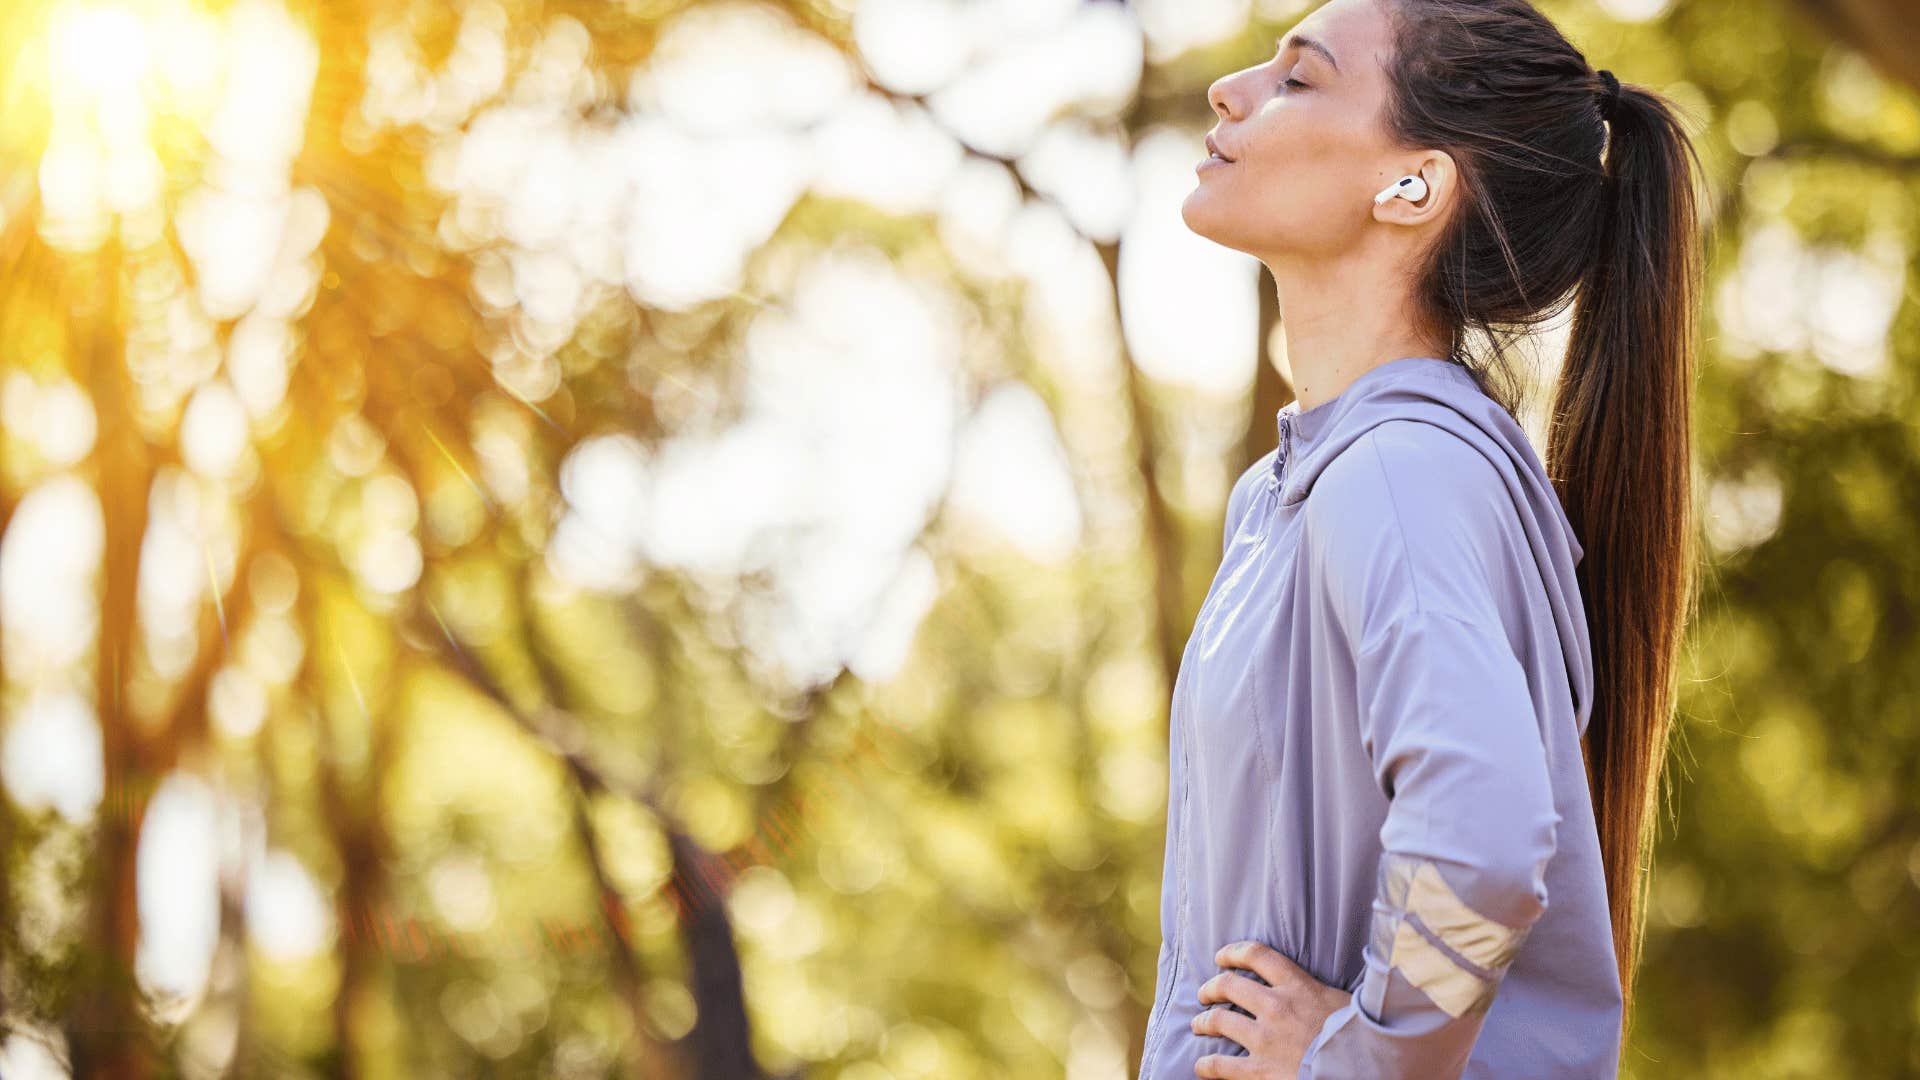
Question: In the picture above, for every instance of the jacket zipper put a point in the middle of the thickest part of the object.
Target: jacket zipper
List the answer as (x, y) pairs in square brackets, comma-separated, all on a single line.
[(1157, 1014), (1285, 447)]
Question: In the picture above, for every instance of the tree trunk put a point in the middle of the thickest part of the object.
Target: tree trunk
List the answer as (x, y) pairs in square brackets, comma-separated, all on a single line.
[(107, 1030)]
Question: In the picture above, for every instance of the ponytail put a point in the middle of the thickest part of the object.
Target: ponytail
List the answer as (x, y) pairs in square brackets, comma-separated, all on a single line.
[(1578, 190), (1618, 448)]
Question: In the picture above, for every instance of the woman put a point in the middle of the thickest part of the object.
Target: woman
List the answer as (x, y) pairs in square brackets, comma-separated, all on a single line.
[(1422, 713)]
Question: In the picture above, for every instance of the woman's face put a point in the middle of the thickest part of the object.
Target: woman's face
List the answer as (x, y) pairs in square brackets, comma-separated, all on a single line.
[(1304, 135)]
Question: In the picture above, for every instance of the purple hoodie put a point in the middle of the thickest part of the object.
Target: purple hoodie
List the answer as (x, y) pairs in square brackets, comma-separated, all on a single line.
[(1375, 748)]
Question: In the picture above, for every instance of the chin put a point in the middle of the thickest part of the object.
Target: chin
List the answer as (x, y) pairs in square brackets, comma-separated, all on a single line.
[(1206, 217)]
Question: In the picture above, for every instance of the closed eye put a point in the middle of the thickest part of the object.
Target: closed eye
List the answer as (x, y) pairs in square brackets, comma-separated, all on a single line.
[(1295, 83)]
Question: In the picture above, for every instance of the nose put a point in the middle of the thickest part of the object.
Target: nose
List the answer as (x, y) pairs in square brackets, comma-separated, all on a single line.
[(1219, 95)]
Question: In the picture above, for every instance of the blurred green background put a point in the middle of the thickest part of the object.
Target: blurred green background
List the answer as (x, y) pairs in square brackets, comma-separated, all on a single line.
[(652, 538)]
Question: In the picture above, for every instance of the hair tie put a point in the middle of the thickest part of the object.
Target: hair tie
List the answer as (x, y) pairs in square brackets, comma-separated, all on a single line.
[(1609, 94)]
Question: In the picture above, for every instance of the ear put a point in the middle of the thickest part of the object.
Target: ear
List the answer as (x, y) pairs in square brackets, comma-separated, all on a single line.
[(1436, 167)]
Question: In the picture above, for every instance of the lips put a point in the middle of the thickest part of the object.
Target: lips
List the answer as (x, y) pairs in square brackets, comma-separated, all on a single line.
[(1214, 149)]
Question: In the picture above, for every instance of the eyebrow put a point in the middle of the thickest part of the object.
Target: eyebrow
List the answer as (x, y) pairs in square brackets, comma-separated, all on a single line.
[(1305, 42)]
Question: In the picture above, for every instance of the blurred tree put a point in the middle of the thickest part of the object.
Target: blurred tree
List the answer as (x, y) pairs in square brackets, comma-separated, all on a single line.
[(1885, 31)]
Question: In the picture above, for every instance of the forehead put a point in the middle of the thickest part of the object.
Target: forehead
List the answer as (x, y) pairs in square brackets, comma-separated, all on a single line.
[(1355, 31)]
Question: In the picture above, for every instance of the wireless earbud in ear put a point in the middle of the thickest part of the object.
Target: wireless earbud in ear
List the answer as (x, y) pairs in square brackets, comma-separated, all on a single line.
[(1412, 187)]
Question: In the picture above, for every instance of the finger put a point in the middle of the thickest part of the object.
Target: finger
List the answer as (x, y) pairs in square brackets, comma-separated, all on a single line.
[(1227, 1024), (1259, 957), (1231, 986), (1225, 1067)]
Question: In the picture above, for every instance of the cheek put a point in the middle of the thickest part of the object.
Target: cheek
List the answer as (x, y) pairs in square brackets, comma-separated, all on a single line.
[(1280, 200), (1310, 178)]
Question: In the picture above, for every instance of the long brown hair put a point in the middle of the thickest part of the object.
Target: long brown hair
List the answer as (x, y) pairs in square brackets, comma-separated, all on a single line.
[(1561, 205)]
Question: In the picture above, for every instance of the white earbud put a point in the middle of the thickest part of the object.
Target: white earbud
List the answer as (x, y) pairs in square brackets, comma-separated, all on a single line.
[(1412, 187)]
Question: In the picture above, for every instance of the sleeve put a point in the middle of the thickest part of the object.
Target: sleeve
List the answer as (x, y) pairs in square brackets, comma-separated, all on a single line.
[(1449, 724)]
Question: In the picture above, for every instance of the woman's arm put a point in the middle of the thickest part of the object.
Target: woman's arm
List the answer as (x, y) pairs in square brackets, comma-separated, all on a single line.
[(1449, 724), (1470, 826)]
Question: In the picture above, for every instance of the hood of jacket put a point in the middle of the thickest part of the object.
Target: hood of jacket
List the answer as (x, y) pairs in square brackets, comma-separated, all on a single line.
[(1442, 393)]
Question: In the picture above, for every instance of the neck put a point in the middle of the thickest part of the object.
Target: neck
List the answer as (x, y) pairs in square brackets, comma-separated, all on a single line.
[(1343, 317)]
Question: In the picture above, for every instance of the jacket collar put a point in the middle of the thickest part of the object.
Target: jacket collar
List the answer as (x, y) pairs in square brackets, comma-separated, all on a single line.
[(1301, 431)]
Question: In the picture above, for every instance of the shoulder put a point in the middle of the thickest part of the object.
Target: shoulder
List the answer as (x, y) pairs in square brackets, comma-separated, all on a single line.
[(1411, 517), (1411, 473)]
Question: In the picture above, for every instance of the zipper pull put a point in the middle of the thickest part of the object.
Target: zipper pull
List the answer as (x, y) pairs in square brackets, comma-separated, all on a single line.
[(1286, 440)]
